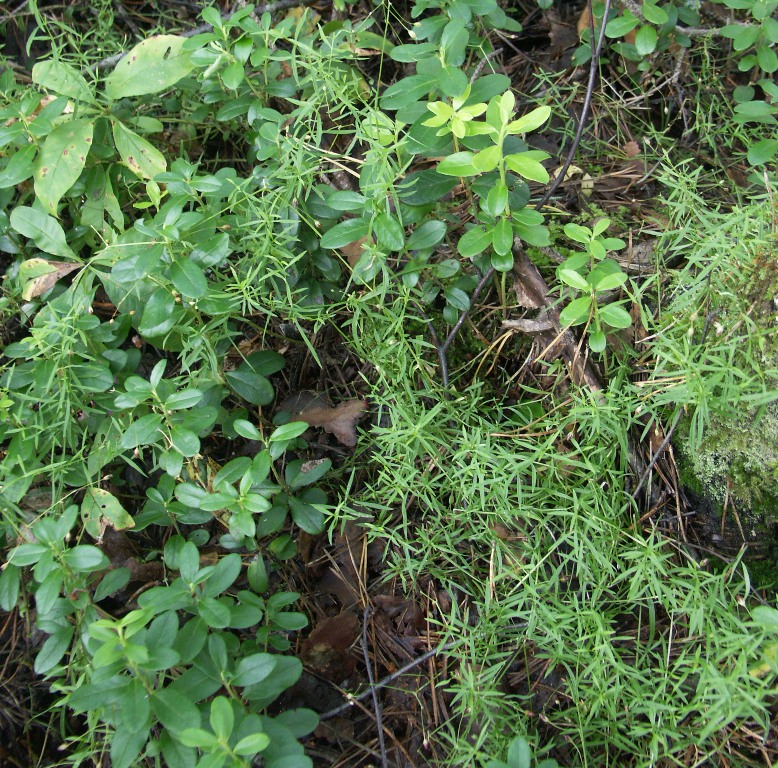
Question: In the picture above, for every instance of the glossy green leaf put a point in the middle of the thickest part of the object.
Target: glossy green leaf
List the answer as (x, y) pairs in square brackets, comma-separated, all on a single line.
[(306, 516), (502, 237), (288, 432), (654, 13), (767, 58), (428, 235), (251, 744), (85, 558), (424, 187), (502, 263), (487, 160), (150, 67), (621, 25), (615, 316), (348, 231), (188, 278), (19, 167), (407, 91), (519, 753), (762, 151), (246, 429), (458, 164), (251, 386), (457, 298), (452, 81), (496, 200), (135, 706), (53, 650), (389, 232), (573, 279), (44, 230), (186, 398), (126, 746), (407, 54), (646, 40), (175, 711), (144, 431), (222, 718), (476, 240), (186, 442), (597, 341), (158, 315), (10, 583), (576, 312), (531, 121)]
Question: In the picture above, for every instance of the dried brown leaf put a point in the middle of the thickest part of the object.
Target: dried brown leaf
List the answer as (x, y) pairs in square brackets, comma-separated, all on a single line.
[(340, 420), (631, 149), (353, 251)]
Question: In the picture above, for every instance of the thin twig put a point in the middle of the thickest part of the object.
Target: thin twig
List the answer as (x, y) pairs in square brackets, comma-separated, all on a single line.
[(657, 454), (388, 680), (373, 690), (593, 67), (453, 332)]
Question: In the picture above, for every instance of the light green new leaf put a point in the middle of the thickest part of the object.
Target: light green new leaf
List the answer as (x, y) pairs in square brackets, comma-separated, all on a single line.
[(137, 154), (251, 744), (576, 312), (61, 160), (615, 316), (150, 67), (61, 78), (573, 279), (45, 231), (527, 166), (531, 121), (458, 164), (646, 40)]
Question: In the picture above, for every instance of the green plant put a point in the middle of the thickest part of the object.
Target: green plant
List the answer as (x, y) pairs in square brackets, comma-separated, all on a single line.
[(520, 756), (592, 274)]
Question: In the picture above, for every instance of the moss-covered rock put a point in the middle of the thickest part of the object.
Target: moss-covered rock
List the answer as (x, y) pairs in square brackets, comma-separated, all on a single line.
[(731, 474), (733, 477)]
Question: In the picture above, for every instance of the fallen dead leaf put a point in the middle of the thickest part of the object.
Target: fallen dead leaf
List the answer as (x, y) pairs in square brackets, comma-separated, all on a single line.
[(326, 649), (631, 149), (340, 420), (353, 251)]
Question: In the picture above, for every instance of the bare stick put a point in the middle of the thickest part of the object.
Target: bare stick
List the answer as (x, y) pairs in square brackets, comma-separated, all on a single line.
[(388, 680), (373, 690)]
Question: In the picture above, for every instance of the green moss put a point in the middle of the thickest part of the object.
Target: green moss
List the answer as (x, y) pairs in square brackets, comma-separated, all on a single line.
[(737, 463)]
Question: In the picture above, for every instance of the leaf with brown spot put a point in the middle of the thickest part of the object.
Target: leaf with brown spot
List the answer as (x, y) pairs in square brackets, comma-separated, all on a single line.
[(61, 160), (142, 158), (41, 275), (151, 66), (340, 420)]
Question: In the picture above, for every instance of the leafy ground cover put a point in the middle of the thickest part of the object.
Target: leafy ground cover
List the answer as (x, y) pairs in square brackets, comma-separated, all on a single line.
[(389, 384)]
